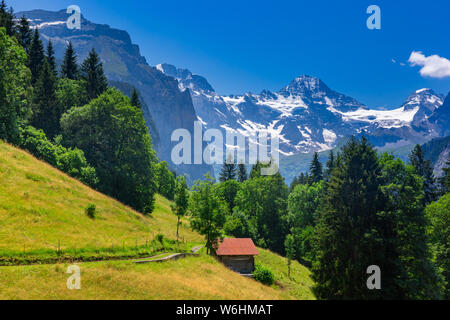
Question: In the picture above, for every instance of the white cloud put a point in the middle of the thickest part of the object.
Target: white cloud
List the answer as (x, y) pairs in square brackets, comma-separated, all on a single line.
[(432, 66)]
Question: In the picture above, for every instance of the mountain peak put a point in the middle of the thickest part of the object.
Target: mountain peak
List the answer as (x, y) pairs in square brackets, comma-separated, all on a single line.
[(305, 85), (185, 78), (307, 82), (426, 98), (423, 90)]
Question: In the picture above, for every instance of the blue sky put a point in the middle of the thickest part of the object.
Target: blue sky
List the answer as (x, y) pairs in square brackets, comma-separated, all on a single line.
[(247, 45)]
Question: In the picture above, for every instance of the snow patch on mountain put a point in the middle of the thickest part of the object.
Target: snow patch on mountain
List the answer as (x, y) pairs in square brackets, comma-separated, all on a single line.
[(383, 118)]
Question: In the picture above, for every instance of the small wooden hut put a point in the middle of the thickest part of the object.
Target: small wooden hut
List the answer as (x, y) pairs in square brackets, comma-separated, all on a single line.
[(237, 254)]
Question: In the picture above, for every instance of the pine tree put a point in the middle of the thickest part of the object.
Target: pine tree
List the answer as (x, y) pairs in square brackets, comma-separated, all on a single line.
[(228, 170), (348, 227), (69, 67), (7, 18), (36, 57), (303, 178), (423, 168), (24, 34), (93, 75), (294, 183), (51, 58), (242, 172), (330, 165), (135, 101), (316, 172), (46, 114)]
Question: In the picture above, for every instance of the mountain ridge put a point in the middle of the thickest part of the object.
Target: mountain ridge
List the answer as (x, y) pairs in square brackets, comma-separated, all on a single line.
[(309, 116)]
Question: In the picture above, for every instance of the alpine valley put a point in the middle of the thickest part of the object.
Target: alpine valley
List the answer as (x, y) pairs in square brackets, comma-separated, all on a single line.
[(307, 115)]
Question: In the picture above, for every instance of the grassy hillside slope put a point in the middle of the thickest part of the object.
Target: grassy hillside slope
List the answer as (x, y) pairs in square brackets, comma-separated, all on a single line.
[(40, 206)]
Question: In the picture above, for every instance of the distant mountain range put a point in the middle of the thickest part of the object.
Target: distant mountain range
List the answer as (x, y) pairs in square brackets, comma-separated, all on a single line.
[(307, 114)]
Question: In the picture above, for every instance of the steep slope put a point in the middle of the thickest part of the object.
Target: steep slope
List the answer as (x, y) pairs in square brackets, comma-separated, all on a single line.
[(170, 108)]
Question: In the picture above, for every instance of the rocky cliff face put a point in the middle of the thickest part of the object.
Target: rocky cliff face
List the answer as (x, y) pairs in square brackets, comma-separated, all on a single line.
[(167, 107)]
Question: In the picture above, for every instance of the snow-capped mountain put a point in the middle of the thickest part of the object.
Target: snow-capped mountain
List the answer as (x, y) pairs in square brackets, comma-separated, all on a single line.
[(308, 115)]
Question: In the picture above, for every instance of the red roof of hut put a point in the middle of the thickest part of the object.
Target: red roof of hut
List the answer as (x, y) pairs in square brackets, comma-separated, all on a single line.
[(236, 247)]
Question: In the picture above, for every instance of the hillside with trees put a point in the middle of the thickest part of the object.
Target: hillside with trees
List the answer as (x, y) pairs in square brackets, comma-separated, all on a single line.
[(80, 181)]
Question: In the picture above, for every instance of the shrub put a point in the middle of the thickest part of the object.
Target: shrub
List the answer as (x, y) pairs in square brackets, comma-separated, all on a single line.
[(70, 161), (263, 275), (91, 210), (160, 238)]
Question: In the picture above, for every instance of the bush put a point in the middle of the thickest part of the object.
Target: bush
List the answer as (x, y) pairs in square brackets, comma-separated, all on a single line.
[(91, 210), (160, 238), (263, 275), (70, 161)]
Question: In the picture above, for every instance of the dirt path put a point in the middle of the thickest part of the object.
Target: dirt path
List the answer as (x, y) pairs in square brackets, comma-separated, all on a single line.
[(142, 260), (174, 256)]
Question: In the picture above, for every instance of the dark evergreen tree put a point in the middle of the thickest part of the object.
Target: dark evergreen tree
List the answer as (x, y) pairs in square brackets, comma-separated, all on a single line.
[(69, 67), (228, 170), (348, 239), (316, 171), (242, 172), (51, 58), (24, 34), (135, 101), (36, 57), (46, 113), (373, 215), (424, 169), (7, 18), (330, 165), (303, 178), (93, 75), (294, 183)]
